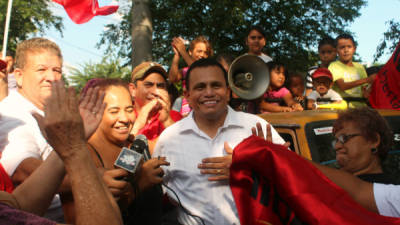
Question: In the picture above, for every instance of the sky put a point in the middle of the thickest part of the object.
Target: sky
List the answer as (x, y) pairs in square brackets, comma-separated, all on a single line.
[(78, 42)]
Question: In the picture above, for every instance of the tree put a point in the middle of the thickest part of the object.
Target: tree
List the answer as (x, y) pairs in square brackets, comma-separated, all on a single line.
[(293, 27), (390, 39), (27, 17), (142, 31), (109, 67)]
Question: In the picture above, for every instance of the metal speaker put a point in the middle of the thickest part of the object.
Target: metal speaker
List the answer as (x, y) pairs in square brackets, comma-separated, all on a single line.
[(248, 77)]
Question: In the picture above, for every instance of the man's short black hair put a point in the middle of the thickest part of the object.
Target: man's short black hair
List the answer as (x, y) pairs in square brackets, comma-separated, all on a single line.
[(201, 63), (326, 41), (345, 36)]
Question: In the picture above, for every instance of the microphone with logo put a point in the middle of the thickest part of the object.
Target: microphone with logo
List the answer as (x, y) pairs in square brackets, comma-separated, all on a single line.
[(130, 158)]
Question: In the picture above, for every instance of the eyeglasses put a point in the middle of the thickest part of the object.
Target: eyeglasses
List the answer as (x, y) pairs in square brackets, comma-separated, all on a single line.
[(343, 138)]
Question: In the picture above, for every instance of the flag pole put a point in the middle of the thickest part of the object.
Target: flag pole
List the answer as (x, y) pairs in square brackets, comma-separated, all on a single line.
[(7, 25)]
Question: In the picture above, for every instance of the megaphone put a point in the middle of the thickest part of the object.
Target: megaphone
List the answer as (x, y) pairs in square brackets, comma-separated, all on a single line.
[(248, 77)]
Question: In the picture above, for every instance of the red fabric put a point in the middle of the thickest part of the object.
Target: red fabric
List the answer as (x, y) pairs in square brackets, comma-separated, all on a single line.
[(385, 92), (154, 128), (272, 185), (81, 11), (5, 181)]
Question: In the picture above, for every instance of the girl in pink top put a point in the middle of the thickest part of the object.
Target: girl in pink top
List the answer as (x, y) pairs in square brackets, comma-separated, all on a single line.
[(278, 98)]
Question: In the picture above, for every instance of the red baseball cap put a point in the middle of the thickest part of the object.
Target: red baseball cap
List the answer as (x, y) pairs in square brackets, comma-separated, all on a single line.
[(322, 72)]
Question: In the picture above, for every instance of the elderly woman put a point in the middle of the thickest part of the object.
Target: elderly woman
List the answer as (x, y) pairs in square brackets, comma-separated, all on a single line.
[(362, 141)]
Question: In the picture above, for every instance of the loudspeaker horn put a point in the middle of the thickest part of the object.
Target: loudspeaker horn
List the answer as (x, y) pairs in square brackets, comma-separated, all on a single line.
[(248, 77)]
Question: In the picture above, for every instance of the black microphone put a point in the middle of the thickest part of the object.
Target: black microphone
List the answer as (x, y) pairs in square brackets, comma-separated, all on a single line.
[(140, 145), (130, 158)]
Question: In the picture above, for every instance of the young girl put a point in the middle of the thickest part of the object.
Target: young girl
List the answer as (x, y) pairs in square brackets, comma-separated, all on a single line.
[(256, 41), (199, 48), (278, 98)]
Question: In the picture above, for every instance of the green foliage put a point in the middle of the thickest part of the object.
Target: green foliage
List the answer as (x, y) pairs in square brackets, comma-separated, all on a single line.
[(27, 17), (109, 67), (293, 28), (390, 39)]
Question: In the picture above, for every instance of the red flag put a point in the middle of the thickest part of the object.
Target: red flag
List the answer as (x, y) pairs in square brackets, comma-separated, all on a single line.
[(385, 91), (81, 11), (272, 185), (5, 181)]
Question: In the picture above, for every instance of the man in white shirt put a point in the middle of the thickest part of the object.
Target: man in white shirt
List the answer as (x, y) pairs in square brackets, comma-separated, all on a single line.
[(199, 147), (38, 64)]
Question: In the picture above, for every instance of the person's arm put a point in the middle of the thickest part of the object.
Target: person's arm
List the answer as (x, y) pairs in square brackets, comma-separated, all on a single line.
[(37, 192), (174, 75), (288, 98), (360, 191), (270, 107), (179, 45), (311, 104), (348, 85)]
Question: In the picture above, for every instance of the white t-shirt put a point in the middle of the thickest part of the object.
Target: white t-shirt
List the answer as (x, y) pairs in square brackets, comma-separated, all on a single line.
[(20, 138), (387, 199), (185, 145), (331, 94), (265, 58)]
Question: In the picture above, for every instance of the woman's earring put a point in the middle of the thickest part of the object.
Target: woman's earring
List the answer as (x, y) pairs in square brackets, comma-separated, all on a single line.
[(374, 150)]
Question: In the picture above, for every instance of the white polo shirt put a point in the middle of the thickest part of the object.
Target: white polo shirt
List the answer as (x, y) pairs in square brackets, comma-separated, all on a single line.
[(185, 145), (20, 138)]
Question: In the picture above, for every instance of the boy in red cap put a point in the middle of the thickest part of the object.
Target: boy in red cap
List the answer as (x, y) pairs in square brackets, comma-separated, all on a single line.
[(322, 82)]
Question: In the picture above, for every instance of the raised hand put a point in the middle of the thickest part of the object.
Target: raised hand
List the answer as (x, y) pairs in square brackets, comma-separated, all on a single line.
[(257, 131), (62, 125), (179, 45), (91, 109), (163, 99)]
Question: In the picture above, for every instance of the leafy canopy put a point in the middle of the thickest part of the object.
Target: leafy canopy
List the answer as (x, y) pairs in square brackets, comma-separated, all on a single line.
[(109, 67), (293, 27)]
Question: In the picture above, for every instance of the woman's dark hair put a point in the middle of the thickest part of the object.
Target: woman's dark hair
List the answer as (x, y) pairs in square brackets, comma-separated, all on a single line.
[(370, 124), (275, 65), (103, 84)]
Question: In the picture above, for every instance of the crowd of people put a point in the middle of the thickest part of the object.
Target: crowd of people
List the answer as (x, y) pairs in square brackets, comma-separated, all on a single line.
[(62, 146)]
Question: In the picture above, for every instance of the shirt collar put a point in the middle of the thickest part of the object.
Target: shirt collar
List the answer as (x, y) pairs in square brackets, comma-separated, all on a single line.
[(231, 120), (28, 106)]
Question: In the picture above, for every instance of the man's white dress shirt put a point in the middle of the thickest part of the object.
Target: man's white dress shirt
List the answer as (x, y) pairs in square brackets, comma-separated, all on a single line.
[(185, 145)]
